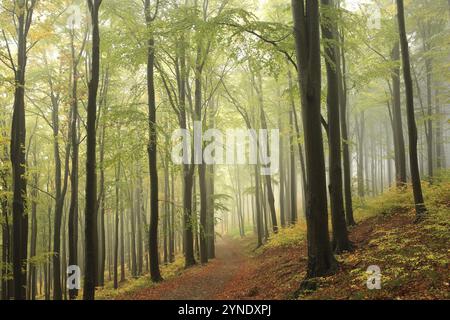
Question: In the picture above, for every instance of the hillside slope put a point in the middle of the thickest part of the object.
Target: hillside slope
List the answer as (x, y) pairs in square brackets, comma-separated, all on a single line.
[(414, 259)]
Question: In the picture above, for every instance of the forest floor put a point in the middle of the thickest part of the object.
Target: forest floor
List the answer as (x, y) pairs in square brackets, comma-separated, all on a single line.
[(414, 259), (201, 282)]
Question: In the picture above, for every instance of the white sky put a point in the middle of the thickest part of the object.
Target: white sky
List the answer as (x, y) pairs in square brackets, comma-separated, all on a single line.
[(352, 5)]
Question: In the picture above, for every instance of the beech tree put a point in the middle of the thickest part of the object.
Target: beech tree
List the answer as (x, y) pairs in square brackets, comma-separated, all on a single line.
[(307, 45), (22, 12), (91, 234), (412, 128)]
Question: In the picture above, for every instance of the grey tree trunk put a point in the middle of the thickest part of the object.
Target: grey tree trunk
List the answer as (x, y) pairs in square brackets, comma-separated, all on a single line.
[(23, 17), (399, 141), (321, 261), (412, 128), (152, 150), (91, 234), (342, 78), (340, 241)]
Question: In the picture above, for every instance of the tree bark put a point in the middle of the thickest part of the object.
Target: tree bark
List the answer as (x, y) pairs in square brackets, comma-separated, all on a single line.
[(116, 224), (292, 171), (321, 261), (74, 140), (23, 17), (412, 128), (33, 241), (340, 241), (342, 78), (399, 141), (91, 234), (152, 151), (360, 128)]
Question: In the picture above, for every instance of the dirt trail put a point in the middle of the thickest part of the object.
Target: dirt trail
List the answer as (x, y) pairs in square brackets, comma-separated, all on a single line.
[(200, 282)]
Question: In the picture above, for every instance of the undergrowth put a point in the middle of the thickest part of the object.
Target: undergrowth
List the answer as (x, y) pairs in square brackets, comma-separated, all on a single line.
[(414, 258), (133, 284)]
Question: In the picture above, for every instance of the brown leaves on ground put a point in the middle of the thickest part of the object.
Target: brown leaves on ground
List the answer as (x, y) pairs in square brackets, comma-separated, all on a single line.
[(414, 260), (414, 263), (199, 282)]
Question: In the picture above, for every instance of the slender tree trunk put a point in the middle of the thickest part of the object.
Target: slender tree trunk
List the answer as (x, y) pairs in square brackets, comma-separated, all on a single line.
[(292, 172), (91, 234), (132, 221), (360, 124), (172, 244), (139, 212), (211, 219), (33, 243), (201, 163), (412, 128), (122, 241), (116, 228), (429, 126), (340, 241), (23, 15), (152, 152), (61, 189), (73, 207), (342, 85), (259, 226), (399, 142), (102, 235), (6, 284), (268, 180), (297, 129), (282, 177), (440, 152)]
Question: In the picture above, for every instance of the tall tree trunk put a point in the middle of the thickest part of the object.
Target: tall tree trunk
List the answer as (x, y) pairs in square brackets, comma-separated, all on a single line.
[(321, 261), (23, 17), (429, 122), (257, 83), (259, 225), (342, 78), (341, 242), (6, 284), (282, 177), (74, 140), (122, 241), (116, 228), (172, 244), (132, 221), (33, 243), (399, 141), (360, 128), (440, 151), (91, 234), (298, 136), (188, 170), (152, 150), (61, 189), (211, 219), (200, 161), (292, 171), (102, 199), (412, 128), (139, 213)]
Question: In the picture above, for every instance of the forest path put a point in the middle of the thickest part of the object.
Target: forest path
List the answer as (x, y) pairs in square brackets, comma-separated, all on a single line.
[(202, 282)]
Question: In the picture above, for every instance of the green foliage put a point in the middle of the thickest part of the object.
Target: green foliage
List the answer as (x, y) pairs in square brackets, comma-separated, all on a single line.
[(287, 237), (135, 284)]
